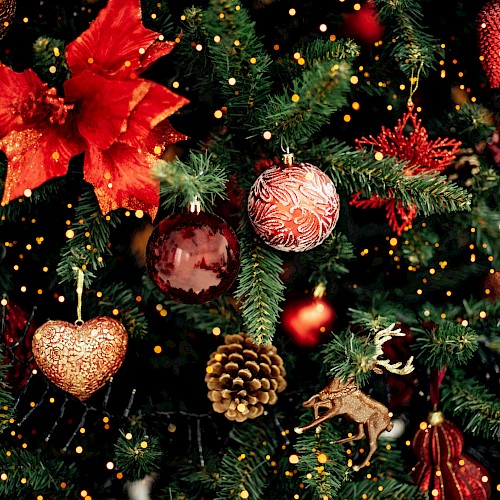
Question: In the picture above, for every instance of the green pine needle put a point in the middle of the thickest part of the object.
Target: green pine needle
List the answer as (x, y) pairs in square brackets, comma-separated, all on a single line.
[(198, 178), (260, 288), (137, 455), (446, 344), (87, 249), (466, 399)]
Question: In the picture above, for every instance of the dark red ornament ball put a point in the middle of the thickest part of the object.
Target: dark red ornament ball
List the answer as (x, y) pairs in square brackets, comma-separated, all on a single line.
[(193, 257), (308, 320), (293, 208), (363, 25)]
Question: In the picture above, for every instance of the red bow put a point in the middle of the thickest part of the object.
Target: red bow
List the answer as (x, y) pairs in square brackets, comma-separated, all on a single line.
[(118, 119)]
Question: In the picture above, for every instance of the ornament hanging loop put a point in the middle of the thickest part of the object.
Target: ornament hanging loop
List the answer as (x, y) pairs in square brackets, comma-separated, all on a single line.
[(195, 205), (414, 79), (287, 157), (79, 292)]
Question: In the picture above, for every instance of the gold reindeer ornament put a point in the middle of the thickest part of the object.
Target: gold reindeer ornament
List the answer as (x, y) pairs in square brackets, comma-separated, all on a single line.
[(345, 398)]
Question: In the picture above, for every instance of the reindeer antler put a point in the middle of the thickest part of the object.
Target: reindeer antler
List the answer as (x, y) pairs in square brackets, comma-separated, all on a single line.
[(379, 340)]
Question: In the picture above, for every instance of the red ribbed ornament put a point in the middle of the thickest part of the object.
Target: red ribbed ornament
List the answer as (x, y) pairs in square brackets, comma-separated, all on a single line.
[(442, 469), (488, 33)]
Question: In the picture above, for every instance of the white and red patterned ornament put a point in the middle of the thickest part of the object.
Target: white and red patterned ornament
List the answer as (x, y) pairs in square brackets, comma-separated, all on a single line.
[(293, 207), (80, 358)]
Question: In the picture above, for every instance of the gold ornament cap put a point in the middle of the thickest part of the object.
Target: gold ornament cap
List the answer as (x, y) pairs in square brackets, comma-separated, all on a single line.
[(288, 158), (436, 418)]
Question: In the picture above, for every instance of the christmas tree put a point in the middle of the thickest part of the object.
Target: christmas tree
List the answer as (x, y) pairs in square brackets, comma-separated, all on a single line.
[(249, 249)]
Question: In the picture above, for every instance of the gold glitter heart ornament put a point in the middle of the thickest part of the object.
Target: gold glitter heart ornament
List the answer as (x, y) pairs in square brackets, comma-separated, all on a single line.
[(80, 359)]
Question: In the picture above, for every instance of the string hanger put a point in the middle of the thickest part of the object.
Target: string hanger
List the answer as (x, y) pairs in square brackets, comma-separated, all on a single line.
[(79, 292)]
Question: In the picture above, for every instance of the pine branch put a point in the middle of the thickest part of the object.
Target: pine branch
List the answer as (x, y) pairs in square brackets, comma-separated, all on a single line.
[(388, 479), (385, 488), (466, 399), (359, 171), (6, 400), (26, 205), (260, 287), (380, 312), (416, 51), (218, 314), (322, 465), (246, 465), (118, 296), (49, 61), (196, 64), (88, 247), (486, 221), (350, 354), (137, 455), (306, 105), (318, 51), (236, 51), (156, 16), (327, 261), (200, 178), (38, 474), (446, 344), (472, 123)]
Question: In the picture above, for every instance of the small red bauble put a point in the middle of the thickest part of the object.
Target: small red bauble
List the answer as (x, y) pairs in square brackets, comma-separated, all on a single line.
[(488, 34), (363, 25), (308, 320), (193, 257), (80, 359), (293, 207), (442, 468)]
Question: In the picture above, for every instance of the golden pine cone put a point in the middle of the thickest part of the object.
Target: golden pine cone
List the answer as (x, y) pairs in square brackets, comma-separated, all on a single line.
[(243, 377), (7, 11)]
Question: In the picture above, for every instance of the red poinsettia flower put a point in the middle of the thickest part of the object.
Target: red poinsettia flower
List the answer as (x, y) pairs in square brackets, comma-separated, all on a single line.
[(118, 119), (408, 141)]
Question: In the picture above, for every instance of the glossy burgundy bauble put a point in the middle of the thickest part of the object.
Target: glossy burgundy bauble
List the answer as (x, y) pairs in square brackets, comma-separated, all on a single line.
[(363, 25), (442, 470), (308, 320), (193, 257), (293, 208)]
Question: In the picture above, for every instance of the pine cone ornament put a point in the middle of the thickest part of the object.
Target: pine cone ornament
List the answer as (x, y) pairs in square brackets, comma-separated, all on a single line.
[(243, 377), (488, 32), (7, 11)]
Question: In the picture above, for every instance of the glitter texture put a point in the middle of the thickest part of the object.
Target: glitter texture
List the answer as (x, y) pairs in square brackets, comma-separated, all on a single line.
[(80, 359)]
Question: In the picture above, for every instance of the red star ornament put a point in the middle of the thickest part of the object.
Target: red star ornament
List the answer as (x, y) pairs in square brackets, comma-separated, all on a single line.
[(407, 141)]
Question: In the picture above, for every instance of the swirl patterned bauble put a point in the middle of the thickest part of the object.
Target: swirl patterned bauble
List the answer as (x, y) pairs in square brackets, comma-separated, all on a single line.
[(293, 208), (80, 359), (193, 257)]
